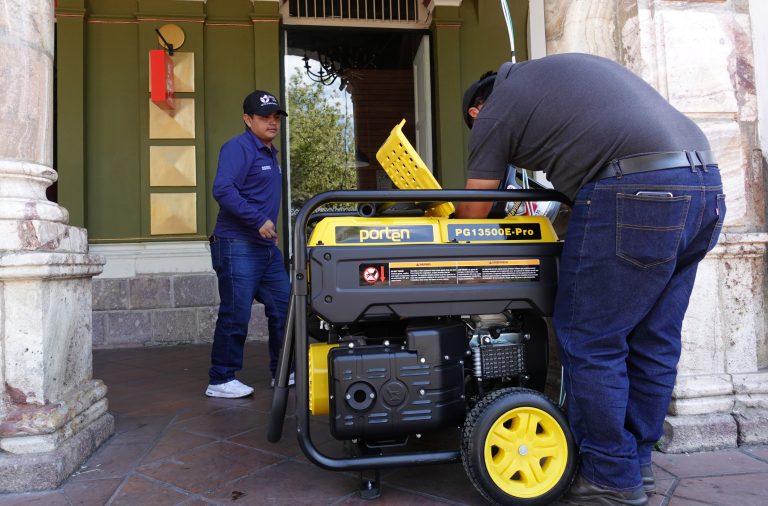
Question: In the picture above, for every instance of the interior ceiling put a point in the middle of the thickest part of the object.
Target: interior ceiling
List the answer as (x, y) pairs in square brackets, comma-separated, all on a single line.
[(380, 49)]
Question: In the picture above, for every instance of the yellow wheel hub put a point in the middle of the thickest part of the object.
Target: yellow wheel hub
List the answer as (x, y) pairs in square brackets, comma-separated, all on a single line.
[(526, 452)]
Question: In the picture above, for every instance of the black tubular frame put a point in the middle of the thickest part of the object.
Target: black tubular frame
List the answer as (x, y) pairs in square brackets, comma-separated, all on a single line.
[(295, 338)]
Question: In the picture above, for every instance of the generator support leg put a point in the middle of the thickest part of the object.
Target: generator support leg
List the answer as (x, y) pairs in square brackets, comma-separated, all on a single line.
[(370, 485)]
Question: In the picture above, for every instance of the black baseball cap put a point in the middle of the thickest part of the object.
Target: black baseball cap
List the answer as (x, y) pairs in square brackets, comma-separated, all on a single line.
[(262, 103), (480, 88)]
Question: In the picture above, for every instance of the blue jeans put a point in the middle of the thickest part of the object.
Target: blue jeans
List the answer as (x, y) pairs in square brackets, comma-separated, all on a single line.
[(246, 271), (626, 275)]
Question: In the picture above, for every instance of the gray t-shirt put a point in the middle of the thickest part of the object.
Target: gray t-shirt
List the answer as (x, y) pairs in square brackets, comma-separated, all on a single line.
[(569, 115)]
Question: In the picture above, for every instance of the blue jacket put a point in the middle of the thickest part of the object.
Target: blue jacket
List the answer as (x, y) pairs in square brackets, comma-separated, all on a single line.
[(248, 186)]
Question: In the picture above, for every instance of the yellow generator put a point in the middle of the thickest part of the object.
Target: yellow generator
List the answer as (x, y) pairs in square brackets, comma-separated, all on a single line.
[(419, 324)]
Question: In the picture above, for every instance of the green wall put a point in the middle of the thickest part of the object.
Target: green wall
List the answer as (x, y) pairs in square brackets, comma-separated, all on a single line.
[(103, 102), (102, 96), (469, 40)]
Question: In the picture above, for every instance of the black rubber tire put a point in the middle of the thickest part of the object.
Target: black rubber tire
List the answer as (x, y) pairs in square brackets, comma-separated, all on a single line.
[(480, 422)]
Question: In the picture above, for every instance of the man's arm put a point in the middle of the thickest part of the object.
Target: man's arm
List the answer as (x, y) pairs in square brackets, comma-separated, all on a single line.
[(477, 209), (233, 163)]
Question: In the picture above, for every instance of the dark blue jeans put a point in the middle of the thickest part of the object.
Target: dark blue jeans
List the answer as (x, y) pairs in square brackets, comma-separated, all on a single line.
[(626, 275), (246, 271)]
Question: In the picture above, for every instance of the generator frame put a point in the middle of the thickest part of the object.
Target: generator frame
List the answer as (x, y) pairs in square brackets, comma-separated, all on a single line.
[(295, 344)]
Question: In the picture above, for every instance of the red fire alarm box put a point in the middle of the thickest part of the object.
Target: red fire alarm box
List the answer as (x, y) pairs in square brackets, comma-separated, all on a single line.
[(161, 79)]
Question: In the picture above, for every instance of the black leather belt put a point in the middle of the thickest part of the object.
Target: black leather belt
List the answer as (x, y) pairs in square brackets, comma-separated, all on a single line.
[(656, 161)]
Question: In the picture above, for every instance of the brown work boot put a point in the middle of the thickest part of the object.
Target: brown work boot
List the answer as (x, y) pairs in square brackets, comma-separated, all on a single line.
[(585, 493)]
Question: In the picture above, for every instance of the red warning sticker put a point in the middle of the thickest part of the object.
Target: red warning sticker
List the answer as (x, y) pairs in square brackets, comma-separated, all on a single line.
[(374, 274)]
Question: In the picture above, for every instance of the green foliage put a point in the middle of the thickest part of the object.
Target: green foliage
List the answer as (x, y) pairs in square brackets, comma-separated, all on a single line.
[(321, 147)]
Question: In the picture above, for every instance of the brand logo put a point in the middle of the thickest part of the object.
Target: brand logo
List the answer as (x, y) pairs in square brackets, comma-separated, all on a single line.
[(387, 234), (268, 100), (384, 234), (266, 167)]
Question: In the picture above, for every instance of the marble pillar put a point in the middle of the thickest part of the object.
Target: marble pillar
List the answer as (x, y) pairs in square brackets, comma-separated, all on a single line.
[(721, 396), (53, 414)]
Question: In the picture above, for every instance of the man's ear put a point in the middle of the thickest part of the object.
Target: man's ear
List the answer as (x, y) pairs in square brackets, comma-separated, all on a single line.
[(473, 112), (247, 120)]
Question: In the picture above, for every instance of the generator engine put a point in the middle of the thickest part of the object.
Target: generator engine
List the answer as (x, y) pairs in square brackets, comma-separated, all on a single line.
[(391, 390), (497, 346)]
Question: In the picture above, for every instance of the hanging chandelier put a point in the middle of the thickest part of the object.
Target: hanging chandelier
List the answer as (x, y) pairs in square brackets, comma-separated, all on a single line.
[(328, 73), (337, 63)]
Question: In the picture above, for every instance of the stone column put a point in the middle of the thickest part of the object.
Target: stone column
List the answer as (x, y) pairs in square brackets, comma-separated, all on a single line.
[(53, 415), (721, 396)]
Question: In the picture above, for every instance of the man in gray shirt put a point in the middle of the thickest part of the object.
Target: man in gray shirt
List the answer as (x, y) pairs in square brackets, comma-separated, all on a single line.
[(648, 205)]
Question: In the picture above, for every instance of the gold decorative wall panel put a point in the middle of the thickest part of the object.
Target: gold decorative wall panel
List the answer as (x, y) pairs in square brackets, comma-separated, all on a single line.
[(172, 166), (183, 73), (173, 213), (176, 124)]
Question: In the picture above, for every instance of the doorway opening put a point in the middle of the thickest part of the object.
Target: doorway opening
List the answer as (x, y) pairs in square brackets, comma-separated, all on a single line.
[(346, 89)]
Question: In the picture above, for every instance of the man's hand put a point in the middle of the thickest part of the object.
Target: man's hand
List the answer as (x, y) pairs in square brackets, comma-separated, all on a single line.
[(477, 209), (268, 231)]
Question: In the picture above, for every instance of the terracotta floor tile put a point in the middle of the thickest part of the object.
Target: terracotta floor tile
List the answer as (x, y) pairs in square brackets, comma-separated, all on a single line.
[(175, 441), (195, 502), (115, 371), (190, 463), (664, 486), (138, 429), (709, 463), (262, 400), (110, 461), (181, 405), (394, 497), (288, 446), (661, 474), (139, 490), (208, 467), (133, 403), (677, 501), (91, 492), (741, 490), (446, 481), (53, 498), (760, 452), (289, 482), (224, 423)]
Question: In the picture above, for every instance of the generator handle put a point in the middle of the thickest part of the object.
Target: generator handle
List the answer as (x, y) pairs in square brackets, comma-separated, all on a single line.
[(280, 392)]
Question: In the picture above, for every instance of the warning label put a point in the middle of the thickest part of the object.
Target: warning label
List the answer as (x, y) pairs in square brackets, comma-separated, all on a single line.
[(450, 272), (374, 274)]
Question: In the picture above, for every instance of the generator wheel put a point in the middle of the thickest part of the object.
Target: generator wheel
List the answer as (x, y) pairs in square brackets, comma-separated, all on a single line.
[(517, 448)]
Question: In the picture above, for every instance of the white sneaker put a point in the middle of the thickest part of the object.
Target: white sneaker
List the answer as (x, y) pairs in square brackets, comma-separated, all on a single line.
[(291, 381), (229, 390)]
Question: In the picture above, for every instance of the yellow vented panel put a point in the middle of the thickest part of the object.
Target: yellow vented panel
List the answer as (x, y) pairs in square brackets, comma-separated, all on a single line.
[(407, 170), (319, 404)]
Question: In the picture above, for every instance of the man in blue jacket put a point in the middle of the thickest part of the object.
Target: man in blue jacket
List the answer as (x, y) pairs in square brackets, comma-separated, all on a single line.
[(244, 252)]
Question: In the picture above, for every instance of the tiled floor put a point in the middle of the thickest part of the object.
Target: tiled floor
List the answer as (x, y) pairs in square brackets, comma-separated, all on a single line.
[(172, 445)]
